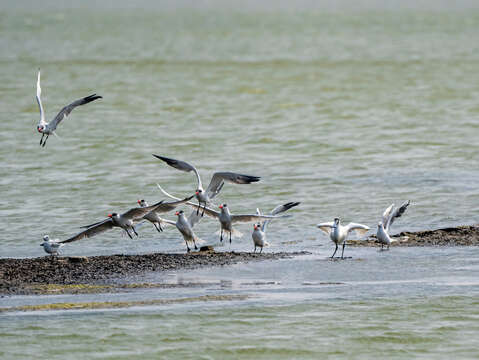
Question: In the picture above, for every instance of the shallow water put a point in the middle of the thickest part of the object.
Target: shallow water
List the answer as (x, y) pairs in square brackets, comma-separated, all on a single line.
[(345, 108)]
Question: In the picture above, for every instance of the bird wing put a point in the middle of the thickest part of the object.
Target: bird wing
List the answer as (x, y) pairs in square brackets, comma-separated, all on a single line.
[(326, 227), (139, 212), (39, 101), (169, 206), (170, 222), (396, 214), (91, 231), (194, 218), (245, 218), (181, 165), (68, 109), (208, 211), (219, 178), (386, 214), (360, 229), (278, 210)]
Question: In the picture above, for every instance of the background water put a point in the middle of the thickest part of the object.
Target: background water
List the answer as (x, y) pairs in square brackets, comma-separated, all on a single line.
[(344, 106)]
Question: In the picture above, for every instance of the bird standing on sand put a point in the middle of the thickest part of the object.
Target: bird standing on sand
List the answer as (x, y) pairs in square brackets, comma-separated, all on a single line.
[(259, 232), (154, 217), (51, 246), (46, 128), (203, 196), (389, 215), (338, 233), (126, 221)]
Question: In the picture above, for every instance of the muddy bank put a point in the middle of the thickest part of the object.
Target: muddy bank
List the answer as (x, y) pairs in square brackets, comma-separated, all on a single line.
[(29, 276), (455, 236)]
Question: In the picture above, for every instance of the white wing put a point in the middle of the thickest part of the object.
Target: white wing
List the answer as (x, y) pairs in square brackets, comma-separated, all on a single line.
[(170, 222), (278, 210), (326, 227), (360, 229), (252, 217), (173, 197), (39, 101), (386, 214), (396, 214)]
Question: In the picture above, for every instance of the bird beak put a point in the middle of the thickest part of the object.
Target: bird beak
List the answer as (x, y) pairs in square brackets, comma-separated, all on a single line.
[(255, 227), (177, 213), (221, 206), (197, 192), (138, 202), (109, 215)]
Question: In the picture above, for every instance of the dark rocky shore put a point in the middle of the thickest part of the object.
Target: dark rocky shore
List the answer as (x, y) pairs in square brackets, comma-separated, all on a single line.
[(454, 236), (33, 275)]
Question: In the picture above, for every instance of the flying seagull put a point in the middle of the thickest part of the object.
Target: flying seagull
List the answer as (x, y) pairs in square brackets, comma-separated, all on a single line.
[(203, 196), (154, 217), (46, 128), (338, 233), (389, 215), (126, 221), (259, 233)]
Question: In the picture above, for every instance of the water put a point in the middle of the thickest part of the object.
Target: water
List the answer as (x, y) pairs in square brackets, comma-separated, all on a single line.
[(343, 107)]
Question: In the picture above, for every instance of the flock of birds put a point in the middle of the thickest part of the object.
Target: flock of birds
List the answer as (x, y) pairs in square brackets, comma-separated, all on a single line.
[(129, 220)]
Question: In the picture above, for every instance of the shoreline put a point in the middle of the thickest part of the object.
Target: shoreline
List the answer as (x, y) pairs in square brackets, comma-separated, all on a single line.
[(108, 272)]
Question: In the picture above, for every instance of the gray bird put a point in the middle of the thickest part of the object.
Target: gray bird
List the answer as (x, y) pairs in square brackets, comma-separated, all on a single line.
[(259, 232), (389, 215), (126, 221), (46, 128), (51, 246), (154, 217), (203, 196), (185, 227)]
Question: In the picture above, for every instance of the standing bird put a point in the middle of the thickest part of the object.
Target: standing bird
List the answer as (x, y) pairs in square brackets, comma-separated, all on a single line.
[(154, 217), (49, 128), (203, 196), (185, 227), (126, 221), (51, 246), (338, 233), (259, 233), (387, 220), (227, 219)]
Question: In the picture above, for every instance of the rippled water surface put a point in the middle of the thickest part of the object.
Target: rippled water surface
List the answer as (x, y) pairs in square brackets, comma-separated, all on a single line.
[(343, 107)]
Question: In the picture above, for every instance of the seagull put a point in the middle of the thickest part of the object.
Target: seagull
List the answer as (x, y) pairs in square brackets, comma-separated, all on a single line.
[(387, 220), (51, 246), (259, 233), (49, 128), (227, 219), (185, 227), (126, 221), (338, 233), (216, 184), (154, 217)]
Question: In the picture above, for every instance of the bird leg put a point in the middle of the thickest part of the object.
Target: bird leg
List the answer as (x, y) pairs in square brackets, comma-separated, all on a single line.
[(159, 229), (334, 253), (230, 236), (128, 233), (194, 242), (133, 228), (342, 252), (203, 213), (198, 208), (45, 142), (221, 235), (42, 138), (159, 225), (254, 249), (261, 250), (187, 247)]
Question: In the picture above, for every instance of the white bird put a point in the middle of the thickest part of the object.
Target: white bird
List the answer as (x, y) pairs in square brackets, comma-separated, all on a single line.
[(259, 233), (389, 215), (46, 128), (51, 246), (185, 227), (154, 217), (126, 221), (216, 184), (338, 233)]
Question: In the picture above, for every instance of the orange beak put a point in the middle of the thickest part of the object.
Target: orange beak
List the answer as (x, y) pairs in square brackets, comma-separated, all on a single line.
[(197, 192), (109, 215), (221, 206), (138, 202), (177, 213)]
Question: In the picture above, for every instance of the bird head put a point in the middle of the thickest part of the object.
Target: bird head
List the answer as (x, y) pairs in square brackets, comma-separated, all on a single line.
[(336, 221), (178, 213), (198, 191), (142, 203), (40, 128), (223, 206)]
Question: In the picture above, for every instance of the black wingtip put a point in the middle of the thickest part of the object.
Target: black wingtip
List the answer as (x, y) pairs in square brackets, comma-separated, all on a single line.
[(91, 98), (165, 159)]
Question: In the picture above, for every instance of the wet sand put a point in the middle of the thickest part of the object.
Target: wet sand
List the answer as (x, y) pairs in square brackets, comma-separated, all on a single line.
[(455, 236), (36, 275)]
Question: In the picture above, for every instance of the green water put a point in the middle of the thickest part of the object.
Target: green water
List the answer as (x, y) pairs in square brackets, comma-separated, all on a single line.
[(344, 106)]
